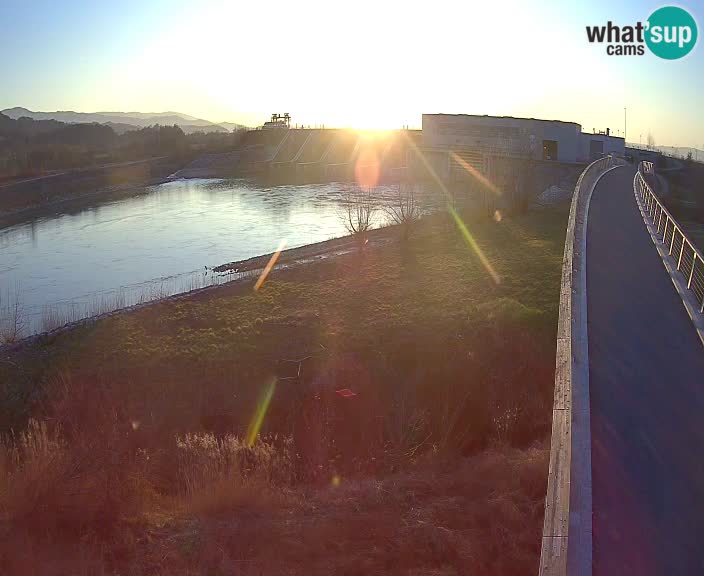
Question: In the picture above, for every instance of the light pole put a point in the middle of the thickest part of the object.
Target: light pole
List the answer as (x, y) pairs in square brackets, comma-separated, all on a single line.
[(624, 124)]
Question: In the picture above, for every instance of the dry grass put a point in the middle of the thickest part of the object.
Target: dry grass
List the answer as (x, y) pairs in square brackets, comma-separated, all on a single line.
[(144, 464), (235, 508)]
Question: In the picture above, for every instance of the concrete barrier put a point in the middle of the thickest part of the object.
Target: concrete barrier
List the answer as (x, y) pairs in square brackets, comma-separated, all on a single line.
[(567, 526)]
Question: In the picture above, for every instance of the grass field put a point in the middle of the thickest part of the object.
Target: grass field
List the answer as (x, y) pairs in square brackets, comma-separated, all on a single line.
[(385, 411), (686, 200)]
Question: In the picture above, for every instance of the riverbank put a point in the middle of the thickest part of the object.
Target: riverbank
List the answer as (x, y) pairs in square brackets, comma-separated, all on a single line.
[(384, 410), (76, 190), (229, 273)]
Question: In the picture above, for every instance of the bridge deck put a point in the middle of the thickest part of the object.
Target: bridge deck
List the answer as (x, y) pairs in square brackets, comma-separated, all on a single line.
[(646, 368)]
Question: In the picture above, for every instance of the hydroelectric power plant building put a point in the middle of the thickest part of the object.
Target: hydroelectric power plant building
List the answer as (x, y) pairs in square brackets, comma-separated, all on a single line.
[(451, 143), (450, 147)]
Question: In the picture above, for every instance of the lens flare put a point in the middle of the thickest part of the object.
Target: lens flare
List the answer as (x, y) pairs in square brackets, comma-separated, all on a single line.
[(366, 169), (260, 413), (270, 265), (473, 245), (471, 242), (472, 171)]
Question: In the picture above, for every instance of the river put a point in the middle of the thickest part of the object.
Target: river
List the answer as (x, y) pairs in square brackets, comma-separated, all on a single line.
[(159, 242)]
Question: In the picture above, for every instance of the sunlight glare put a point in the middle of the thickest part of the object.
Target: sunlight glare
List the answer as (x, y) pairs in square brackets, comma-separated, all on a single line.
[(471, 242), (260, 413), (466, 234), (272, 262), (472, 171), (366, 169)]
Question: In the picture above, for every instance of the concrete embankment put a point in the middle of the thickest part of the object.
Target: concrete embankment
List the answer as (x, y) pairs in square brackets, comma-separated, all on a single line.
[(223, 165), (75, 189)]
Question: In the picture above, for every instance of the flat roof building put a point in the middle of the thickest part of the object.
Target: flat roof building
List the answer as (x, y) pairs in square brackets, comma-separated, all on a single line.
[(453, 140)]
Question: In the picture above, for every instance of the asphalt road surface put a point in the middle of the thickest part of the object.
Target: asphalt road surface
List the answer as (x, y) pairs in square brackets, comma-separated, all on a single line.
[(646, 372)]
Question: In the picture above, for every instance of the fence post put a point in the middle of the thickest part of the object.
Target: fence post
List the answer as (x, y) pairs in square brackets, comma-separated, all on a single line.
[(679, 260), (660, 220), (691, 272)]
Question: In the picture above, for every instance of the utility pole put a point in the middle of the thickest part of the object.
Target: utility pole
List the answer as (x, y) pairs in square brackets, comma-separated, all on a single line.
[(624, 124)]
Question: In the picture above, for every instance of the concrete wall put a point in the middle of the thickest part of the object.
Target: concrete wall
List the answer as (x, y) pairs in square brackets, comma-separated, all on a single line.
[(639, 154), (502, 135), (607, 144)]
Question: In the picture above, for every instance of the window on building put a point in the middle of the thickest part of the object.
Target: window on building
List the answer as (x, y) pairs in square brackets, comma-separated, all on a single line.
[(549, 149)]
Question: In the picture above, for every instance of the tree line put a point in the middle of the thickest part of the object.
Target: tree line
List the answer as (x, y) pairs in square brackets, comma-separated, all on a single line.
[(32, 147)]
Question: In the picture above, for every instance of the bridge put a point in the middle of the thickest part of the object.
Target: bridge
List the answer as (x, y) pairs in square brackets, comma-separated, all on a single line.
[(626, 480)]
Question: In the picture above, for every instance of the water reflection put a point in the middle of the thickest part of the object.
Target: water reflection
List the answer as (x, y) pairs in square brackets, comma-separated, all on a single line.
[(159, 242)]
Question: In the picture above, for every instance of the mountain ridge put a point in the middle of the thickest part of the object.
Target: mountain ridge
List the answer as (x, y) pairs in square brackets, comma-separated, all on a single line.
[(188, 124)]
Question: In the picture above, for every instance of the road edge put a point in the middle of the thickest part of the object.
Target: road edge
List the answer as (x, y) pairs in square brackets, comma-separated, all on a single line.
[(568, 505)]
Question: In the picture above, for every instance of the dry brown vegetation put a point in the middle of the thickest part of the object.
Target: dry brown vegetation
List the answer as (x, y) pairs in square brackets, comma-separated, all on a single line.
[(73, 512), (134, 452)]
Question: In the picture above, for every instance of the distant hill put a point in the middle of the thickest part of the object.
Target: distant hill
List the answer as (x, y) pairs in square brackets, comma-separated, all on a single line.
[(31, 147), (231, 126), (677, 151), (681, 151), (122, 122)]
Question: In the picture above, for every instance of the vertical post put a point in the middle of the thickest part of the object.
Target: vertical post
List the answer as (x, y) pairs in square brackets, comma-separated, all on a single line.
[(664, 231), (672, 242), (691, 272), (660, 219), (679, 260)]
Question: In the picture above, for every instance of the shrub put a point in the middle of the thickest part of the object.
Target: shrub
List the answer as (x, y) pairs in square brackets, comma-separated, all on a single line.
[(12, 317), (357, 215), (405, 210)]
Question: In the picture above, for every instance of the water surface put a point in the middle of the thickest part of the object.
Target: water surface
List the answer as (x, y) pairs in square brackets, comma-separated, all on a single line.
[(160, 242)]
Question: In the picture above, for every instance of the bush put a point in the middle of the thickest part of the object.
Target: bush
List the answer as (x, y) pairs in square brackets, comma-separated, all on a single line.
[(405, 210), (357, 215)]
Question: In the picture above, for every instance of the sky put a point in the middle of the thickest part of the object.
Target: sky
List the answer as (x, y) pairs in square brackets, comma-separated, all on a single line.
[(361, 63)]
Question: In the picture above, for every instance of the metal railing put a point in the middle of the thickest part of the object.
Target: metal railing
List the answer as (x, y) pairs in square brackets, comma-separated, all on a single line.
[(689, 260)]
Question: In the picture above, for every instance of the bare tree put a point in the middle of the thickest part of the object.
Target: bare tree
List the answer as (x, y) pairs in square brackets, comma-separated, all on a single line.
[(357, 215), (12, 321), (405, 209)]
